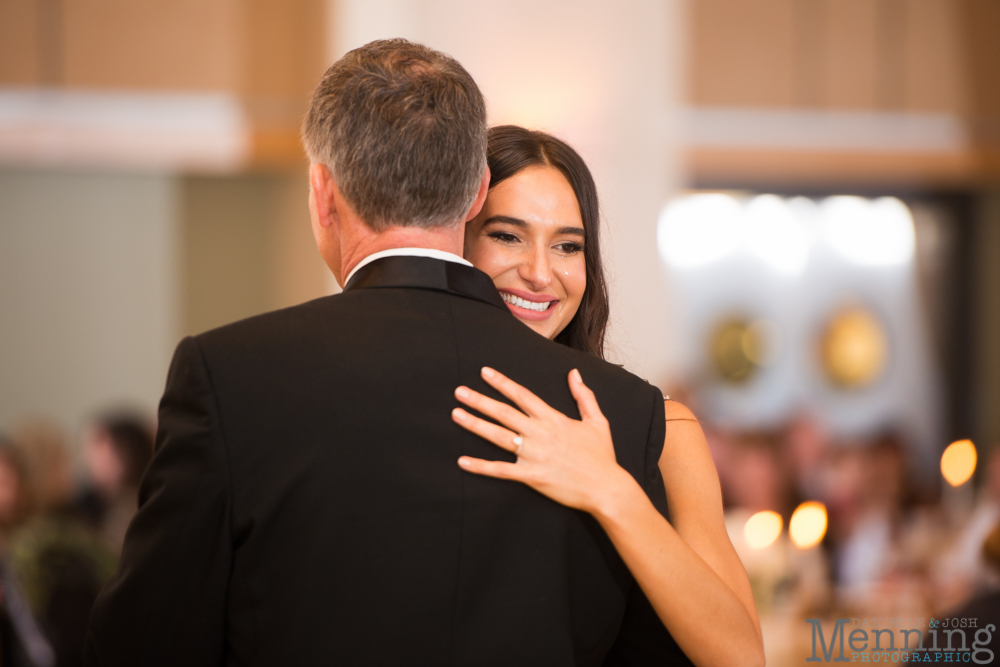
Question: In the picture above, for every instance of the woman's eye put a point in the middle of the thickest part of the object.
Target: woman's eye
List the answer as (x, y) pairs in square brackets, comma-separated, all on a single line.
[(569, 247), (504, 237)]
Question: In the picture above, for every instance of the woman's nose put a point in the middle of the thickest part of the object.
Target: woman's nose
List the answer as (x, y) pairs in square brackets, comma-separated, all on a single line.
[(536, 270)]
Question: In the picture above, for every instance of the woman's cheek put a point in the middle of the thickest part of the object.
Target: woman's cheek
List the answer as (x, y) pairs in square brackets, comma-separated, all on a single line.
[(485, 258), (573, 275), (503, 260)]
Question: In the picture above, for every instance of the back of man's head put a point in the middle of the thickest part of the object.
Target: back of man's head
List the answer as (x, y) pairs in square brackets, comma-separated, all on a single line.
[(402, 128)]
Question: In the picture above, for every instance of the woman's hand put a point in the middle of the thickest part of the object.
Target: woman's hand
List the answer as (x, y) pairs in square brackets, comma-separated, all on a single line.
[(570, 461), (573, 462)]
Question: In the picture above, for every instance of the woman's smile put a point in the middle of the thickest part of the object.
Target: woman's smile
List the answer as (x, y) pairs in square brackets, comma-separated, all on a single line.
[(535, 307)]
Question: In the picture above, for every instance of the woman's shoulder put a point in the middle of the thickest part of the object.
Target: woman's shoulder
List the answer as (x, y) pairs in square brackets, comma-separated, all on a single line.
[(676, 411)]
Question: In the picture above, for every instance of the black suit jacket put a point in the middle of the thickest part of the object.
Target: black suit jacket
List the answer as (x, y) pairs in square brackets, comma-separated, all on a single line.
[(304, 505)]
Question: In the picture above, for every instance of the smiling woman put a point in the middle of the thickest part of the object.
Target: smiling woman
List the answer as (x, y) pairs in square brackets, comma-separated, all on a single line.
[(537, 237)]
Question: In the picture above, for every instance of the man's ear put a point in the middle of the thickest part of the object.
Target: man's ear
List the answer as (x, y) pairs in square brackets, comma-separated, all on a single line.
[(322, 200), (484, 188)]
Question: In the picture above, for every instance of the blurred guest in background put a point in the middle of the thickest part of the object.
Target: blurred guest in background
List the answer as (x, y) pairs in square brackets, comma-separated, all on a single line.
[(964, 569), (21, 641), (882, 538), (14, 499), (117, 447), (757, 476), (59, 562), (985, 604), (869, 511), (806, 444)]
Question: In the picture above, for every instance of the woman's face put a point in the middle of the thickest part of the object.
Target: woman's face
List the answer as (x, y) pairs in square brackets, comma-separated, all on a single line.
[(529, 239)]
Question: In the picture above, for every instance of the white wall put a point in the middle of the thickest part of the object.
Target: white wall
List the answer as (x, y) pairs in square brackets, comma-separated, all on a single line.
[(87, 292), (604, 76), (101, 274)]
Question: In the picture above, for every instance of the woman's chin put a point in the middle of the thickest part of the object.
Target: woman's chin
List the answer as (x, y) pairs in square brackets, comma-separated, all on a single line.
[(542, 328)]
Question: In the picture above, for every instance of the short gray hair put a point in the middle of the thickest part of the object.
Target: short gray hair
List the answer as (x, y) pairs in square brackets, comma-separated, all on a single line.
[(402, 128)]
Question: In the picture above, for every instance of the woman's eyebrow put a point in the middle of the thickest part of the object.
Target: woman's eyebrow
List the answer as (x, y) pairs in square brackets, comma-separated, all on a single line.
[(517, 222)]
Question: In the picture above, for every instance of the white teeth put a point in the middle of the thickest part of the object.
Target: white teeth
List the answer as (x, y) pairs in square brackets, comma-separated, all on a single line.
[(527, 305)]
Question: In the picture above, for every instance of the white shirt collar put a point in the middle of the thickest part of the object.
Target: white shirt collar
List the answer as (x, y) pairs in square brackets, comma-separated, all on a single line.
[(410, 252)]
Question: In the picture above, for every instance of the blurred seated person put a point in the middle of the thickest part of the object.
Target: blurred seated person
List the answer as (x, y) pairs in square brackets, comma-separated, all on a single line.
[(117, 447), (21, 641), (869, 525), (59, 562), (963, 568), (806, 443), (756, 473), (14, 500), (883, 533)]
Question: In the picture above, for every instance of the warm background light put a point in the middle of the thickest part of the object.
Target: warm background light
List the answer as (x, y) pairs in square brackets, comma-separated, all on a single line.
[(958, 462), (762, 529), (808, 524)]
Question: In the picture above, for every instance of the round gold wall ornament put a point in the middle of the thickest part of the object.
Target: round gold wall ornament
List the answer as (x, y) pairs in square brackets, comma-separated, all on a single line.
[(854, 348), (739, 347)]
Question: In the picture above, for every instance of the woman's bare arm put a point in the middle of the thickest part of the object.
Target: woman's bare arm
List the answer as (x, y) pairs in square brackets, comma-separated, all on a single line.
[(695, 501), (573, 462)]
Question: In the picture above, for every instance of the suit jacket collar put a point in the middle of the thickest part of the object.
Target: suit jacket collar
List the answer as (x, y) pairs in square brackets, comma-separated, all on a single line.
[(427, 273)]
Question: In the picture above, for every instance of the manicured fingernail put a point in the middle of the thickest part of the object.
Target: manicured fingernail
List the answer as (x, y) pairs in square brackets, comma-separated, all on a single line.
[(462, 392), (576, 375), (458, 413), (488, 372)]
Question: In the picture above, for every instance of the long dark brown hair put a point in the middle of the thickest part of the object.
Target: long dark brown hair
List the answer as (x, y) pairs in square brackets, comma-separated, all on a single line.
[(511, 149)]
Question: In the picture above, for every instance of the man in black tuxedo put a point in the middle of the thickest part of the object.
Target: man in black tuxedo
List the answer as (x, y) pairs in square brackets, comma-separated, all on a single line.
[(304, 505)]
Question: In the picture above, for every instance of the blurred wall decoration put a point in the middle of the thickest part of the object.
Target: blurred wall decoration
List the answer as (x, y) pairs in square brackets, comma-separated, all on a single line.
[(870, 97), (790, 306)]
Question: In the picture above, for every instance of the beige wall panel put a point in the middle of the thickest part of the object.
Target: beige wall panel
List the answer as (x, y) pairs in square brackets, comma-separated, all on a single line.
[(88, 267), (988, 323), (225, 243), (151, 44), (762, 168), (284, 62), (246, 247), (981, 28), (18, 42), (933, 76), (299, 272), (849, 53), (287, 47), (743, 53)]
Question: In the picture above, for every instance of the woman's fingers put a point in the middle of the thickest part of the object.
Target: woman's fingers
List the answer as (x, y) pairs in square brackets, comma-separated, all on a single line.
[(509, 416), (498, 469), (590, 411), (522, 397), (498, 435)]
